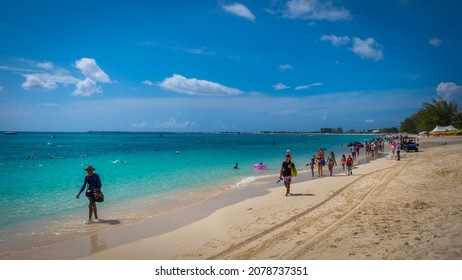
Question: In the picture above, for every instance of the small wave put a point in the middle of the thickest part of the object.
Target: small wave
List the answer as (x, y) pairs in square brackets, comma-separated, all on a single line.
[(251, 179), (246, 180)]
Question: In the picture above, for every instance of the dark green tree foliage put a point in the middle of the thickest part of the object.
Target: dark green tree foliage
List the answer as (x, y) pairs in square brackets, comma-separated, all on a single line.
[(389, 130), (439, 112), (458, 121), (408, 125)]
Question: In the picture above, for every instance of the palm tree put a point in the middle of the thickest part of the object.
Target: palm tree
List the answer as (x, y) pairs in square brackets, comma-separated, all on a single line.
[(409, 125), (439, 112)]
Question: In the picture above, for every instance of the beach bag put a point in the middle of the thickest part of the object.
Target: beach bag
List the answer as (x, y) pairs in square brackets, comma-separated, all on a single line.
[(293, 172), (99, 196), (89, 193)]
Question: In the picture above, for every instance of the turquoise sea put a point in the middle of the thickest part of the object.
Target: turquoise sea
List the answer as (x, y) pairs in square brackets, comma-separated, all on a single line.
[(40, 174)]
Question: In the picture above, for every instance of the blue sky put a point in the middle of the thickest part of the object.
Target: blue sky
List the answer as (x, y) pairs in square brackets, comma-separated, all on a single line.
[(216, 65)]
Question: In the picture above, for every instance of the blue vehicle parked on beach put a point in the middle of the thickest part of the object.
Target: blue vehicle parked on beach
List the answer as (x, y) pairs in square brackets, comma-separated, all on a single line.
[(409, 144)]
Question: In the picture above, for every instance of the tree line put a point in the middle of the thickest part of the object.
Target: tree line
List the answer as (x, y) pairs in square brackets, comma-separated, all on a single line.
[(438, 112)]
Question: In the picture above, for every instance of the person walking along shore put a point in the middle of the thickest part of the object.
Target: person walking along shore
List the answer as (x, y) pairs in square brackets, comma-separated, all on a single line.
[(331, 162), (93, 183), (286, 172)]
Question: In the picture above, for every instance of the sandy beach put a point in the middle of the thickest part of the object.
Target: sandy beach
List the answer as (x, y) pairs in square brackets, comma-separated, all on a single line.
[(388, 209)]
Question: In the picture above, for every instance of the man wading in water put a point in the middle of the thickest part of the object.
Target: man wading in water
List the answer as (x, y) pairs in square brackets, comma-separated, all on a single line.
[(94, 185)]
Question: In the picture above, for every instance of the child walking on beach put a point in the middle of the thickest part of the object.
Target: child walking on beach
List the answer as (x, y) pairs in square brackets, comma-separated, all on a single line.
[(312, 164), (349, 163), (343, 162)]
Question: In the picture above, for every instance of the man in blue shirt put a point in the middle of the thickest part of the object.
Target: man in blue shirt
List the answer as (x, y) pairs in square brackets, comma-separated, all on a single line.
[(93, 182)]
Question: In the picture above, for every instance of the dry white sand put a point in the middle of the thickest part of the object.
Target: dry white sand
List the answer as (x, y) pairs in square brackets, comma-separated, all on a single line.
[(388, 209)]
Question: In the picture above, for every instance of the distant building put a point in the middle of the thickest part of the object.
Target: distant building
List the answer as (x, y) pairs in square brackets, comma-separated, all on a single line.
[(332, 130)]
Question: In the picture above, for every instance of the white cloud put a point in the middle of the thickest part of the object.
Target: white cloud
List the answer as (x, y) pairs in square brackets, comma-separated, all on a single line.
[(49, 77), (86, 87), (239, 10), (336, 40), (173, 124), (17, 69), (147, 83), (1, 88), (285, 113), (315, 10), (450, 92), (367, 49), (36, 82), (57, 78), (195, 50), (280, 86), (285, 67), (308, 86), (45, 65), (369, 121), (91, 70), (436, 42), (193, 86), (142, 124), (46, 81)]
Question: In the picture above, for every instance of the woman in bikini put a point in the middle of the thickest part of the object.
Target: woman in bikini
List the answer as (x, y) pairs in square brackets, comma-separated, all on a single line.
[(331, 162)]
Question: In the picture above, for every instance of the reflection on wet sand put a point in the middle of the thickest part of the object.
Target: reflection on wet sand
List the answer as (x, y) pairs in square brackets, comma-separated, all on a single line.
[(96, 243)]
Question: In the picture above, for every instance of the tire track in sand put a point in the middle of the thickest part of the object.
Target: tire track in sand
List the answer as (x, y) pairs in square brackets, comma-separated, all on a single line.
[(385, 179), (316, 225)]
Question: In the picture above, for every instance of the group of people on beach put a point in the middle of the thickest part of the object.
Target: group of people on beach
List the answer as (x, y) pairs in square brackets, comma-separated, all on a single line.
[(319, 160), (374, 147)]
